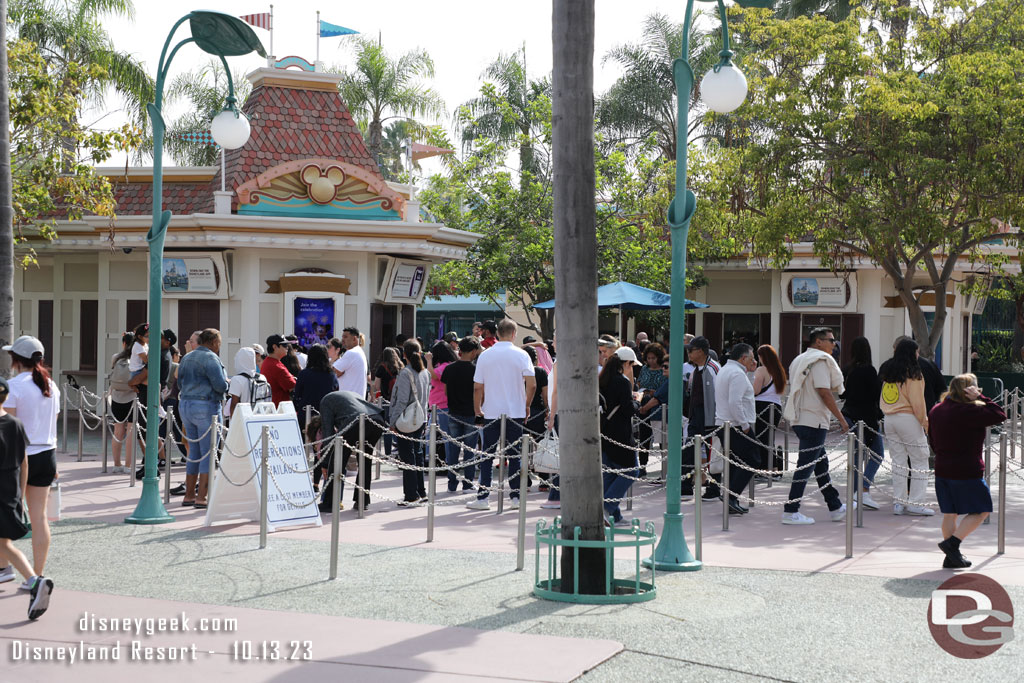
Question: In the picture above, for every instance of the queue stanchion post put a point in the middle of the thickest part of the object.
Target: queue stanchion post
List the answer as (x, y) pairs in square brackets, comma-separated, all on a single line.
[(169, 448), (525, 450), (129, 436), (849, 494), (785, 450), (988, 468), (771, 444), (64, 418), (380, 444), (1001, 529), (81, 423), (664, 443), (698, 451), (264, 482), (431, 473), (726, 450), (103, 432), (858, 476), (215, 442), (335, 504), (501, 465), (360, 468)]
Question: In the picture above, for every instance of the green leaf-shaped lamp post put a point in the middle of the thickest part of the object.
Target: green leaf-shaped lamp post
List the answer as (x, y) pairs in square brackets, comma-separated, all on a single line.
[(221, 35), (723, 89)]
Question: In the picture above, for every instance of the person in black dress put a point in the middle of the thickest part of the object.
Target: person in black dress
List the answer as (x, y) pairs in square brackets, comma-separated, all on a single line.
[(863, 389), (617, 409)]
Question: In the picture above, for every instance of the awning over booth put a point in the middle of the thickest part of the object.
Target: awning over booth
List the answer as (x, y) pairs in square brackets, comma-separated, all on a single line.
[(630, 297)]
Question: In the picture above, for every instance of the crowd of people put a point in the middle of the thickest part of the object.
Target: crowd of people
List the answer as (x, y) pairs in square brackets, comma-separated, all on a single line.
[(471, 383)]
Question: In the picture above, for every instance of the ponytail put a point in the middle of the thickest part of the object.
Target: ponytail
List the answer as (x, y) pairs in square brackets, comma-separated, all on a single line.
[(40, 375), (411, 347)]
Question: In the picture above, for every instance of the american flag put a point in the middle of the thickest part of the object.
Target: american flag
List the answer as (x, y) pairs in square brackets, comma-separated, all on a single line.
[(261, 20)]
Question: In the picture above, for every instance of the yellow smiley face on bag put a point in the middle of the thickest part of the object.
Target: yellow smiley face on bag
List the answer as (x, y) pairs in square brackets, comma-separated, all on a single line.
[(890, 392)]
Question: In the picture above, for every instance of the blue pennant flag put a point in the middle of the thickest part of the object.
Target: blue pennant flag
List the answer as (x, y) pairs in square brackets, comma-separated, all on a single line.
[(328, 30)]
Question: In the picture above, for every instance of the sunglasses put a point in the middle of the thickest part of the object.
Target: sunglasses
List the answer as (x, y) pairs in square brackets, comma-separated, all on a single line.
[(665, 366)]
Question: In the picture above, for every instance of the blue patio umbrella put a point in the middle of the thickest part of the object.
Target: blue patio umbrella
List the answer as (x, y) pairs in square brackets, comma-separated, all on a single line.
[(630, 297)]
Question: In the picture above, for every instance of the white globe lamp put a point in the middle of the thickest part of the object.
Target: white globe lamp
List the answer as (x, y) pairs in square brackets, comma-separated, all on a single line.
[(723, 88), (230, 129)]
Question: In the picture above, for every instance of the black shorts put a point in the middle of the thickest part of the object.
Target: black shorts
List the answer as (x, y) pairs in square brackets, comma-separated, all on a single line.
[(12, 522), (42, 468), (121, 411)]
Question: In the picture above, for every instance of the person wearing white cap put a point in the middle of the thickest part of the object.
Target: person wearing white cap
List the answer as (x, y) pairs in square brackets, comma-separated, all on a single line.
[(35, 400)]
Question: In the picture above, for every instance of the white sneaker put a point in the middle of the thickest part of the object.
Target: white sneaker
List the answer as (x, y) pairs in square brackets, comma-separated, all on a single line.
[(478, 504), (796, 518), (513, 503), (897, 509), (839, 514), (551, 505), (623, 522), (7, 574), (919, 510), (27, 586), (869, 502)]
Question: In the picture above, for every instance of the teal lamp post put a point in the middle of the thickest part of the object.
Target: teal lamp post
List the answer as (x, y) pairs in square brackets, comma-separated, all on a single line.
[(723, 89), (224, 36)]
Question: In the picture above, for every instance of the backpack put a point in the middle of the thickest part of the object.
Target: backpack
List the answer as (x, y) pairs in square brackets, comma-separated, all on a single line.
[(259, 389)]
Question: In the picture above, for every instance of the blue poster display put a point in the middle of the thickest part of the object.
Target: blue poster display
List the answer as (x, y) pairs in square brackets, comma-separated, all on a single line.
[(314, 320)]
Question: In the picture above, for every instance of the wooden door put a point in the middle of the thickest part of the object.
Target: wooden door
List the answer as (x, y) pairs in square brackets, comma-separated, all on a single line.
[(195, 314), (88, 319), (713, 332), (45, 330), (789, 338), (851, 327)]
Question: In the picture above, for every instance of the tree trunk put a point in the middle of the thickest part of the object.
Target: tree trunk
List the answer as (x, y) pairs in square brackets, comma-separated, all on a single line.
[(6, 205), (376, 131), (576, 287)]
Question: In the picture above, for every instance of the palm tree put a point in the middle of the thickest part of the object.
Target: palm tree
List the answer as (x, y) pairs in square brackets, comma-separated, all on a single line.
[(380, 88), (642, 102), (833, 10), (576, 286), (72, 32), (205, 100), (505, 111), (397, 135)]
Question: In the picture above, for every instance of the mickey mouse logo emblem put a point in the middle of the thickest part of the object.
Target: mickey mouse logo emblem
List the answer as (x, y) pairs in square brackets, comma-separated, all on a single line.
[(322, 186)]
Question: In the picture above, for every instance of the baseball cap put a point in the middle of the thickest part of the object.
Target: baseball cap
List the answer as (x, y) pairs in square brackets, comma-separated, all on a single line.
[(451, 336), (171, 338), (277, 340), (701, 343), (25, 346), (529, 339), (627, 355), (259, 349)]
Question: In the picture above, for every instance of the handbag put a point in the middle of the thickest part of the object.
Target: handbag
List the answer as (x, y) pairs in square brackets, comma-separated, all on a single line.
[(413, 417), (545, 457)]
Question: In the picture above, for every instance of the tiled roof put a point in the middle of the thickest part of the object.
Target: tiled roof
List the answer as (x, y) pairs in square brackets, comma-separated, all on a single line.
[(135, 199), (290, 124)]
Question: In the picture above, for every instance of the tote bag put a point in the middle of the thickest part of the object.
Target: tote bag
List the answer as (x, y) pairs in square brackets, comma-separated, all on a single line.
[(413, 417), (545, 458)]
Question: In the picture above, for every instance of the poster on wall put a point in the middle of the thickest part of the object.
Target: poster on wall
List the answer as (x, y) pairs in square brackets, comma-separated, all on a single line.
[(406, 282), (813, 292), (313, 320), (193, 276)]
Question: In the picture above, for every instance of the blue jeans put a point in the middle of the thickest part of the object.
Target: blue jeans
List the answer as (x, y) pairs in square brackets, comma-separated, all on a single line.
[(615, 485), (492, 433), (874, 453), (813, 440), (196, 417), (463, 431)]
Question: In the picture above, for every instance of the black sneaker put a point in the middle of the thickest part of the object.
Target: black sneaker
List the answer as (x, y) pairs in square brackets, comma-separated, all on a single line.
[(960, 562), (712, 492), (39, 597)]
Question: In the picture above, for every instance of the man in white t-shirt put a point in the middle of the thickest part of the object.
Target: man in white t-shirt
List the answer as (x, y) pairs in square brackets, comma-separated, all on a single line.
[(503, 384), (351, 367)]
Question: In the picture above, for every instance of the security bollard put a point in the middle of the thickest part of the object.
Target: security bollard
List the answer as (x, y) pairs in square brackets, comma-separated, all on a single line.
[(698, 449), (264, 482), (849, 495), (360, 468), (1001, 531), (726, 451), (524, 490), (501, 466), (858, 477), (103, 433), (335, 505), (431, 474)]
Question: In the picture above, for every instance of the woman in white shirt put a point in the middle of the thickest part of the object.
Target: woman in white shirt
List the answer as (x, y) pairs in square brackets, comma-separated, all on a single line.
[(35, 400), (122, 396)]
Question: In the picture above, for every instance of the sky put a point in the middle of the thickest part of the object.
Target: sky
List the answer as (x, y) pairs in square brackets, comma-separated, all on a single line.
[(462, 37)]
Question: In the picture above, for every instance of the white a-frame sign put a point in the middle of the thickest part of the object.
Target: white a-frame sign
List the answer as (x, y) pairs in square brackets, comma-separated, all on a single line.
[(290, 498)]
